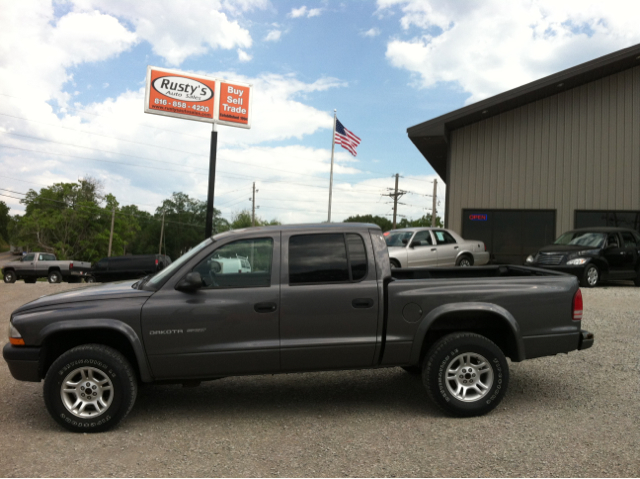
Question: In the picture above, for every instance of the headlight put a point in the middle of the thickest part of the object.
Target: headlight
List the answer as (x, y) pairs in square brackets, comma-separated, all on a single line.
[(15, 337), (577, 261), (529, 259)]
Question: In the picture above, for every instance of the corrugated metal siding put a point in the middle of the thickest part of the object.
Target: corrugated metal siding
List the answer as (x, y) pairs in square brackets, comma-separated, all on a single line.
[(579, 149)]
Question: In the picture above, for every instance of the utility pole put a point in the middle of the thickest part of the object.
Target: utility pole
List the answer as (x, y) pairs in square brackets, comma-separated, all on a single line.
[(435, 202), (161, 234), (395, 195), (113, 219), (253, 205)]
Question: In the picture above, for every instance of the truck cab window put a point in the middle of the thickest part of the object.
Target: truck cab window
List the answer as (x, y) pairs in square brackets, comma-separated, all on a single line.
[(322, 258), (241, 264)]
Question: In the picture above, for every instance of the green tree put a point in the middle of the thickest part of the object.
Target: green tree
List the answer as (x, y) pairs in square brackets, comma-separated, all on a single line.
[(65, 219), (420, 222), (5, 220), (382, 222), (242, 219)]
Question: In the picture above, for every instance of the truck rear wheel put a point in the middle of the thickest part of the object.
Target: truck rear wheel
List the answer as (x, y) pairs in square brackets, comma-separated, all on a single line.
[(54, 276), (465, 374), (90, 388)]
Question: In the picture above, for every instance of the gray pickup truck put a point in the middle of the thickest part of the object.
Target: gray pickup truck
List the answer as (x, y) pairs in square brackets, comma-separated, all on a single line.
[(315, 297), (45, 265)]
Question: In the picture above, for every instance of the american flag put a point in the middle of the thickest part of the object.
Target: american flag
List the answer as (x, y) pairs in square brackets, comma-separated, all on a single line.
[(346, 139)]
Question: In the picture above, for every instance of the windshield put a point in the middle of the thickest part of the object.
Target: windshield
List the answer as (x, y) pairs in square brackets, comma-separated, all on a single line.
[(160, 277), (582, 238), (394, 238)]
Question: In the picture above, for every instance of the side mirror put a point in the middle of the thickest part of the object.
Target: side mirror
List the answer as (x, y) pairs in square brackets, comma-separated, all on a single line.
[(405, 241), (191, 282)]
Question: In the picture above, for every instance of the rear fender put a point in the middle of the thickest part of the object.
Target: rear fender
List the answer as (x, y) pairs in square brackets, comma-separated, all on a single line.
[(87, 325), (452, 310)]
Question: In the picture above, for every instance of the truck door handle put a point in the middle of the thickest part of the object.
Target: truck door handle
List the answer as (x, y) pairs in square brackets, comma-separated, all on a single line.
[(456, 247), (362, 303), (265, 307), (433, 249)]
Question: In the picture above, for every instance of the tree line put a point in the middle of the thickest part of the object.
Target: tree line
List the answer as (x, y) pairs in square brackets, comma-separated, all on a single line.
[(73, 220)]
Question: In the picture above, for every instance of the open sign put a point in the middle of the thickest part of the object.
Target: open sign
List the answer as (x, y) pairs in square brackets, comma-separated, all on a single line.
[(478, 217)]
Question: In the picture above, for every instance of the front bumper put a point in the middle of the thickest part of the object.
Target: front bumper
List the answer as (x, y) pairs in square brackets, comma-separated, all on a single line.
[(24, 362), (586, 340)]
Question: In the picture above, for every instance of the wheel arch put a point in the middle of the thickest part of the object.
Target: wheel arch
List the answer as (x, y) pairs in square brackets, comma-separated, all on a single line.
[(489, 320), (62, 336)]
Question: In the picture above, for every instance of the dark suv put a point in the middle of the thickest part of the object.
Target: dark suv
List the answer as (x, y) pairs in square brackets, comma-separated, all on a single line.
[(593, 255)]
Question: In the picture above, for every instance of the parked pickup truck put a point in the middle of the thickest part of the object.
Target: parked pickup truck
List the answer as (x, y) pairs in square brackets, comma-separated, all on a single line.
[(45, 265), (316, 297)]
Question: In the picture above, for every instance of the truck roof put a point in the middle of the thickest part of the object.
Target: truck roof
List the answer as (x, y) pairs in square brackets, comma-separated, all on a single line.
[(302, 228)]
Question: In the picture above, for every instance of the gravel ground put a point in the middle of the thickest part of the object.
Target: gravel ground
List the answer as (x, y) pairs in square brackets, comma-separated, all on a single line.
[(570, 415)]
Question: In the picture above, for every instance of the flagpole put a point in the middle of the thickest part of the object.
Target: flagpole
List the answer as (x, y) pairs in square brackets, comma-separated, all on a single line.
[(333, 146)]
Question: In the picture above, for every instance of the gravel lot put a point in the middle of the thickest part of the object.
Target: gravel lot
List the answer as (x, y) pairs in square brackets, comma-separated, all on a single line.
[(570, 415)]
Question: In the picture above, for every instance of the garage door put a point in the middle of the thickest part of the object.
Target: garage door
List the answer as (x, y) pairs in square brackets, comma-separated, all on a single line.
[(620, 219), (510, 235)]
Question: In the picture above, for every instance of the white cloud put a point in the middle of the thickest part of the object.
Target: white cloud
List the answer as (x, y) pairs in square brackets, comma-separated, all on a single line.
[(243, 56), (298, 12), (492, 46), (305, 12), (176, 30), (273, 36), (372, 32)]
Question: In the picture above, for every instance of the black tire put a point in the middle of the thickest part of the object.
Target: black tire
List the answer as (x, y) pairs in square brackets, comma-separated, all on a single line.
[(30, 280), (590, 276), (98, 365), (485, 368), (465, 261), (636, 280), (395, 263), (89, 279), (54, 276), (10, 276)]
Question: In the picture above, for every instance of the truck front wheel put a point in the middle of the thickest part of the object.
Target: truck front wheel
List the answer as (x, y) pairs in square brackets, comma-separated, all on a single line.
[(90, 388), (9, 276), (465, 374)]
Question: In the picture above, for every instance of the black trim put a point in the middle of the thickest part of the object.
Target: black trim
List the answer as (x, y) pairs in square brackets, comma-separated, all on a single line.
[(586, 340), (23, 362)]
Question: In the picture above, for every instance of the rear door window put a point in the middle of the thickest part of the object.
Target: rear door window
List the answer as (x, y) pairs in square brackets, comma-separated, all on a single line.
[(628, 240), (442, 237), (326, 258)]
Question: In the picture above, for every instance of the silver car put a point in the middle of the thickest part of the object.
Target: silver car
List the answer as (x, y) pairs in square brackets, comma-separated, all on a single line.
[(423, 247)]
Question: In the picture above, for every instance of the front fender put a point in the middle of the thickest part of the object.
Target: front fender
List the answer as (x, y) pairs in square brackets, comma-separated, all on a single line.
[(94, 324), (454, 308)]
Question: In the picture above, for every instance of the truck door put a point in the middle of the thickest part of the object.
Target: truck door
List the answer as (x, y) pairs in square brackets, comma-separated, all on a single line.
[(28, 266), (229, 326), (329, 301)]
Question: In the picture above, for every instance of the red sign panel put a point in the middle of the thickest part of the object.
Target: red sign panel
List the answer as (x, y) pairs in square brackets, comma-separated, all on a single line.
[(180, 95), (234, 103)]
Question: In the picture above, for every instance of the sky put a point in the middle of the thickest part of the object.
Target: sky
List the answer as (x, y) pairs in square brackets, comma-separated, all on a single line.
[(72, 86)]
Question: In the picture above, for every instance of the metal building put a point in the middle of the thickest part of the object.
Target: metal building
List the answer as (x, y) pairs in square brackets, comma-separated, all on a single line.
[(559, 153)]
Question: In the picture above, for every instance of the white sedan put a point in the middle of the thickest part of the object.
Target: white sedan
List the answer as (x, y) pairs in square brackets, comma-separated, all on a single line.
[(424, 247)]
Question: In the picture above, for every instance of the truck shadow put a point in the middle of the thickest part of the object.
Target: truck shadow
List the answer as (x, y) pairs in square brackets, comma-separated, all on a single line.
[(328, 393)]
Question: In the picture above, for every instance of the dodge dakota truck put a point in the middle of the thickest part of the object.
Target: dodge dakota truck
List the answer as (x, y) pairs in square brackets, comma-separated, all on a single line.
[(45, 265), (315, 297)]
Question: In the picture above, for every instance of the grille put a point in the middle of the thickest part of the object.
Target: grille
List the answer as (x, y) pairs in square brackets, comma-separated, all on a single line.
[(550, 258)]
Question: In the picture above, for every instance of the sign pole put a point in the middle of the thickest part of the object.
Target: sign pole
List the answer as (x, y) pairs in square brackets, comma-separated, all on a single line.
[(212, 182)]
